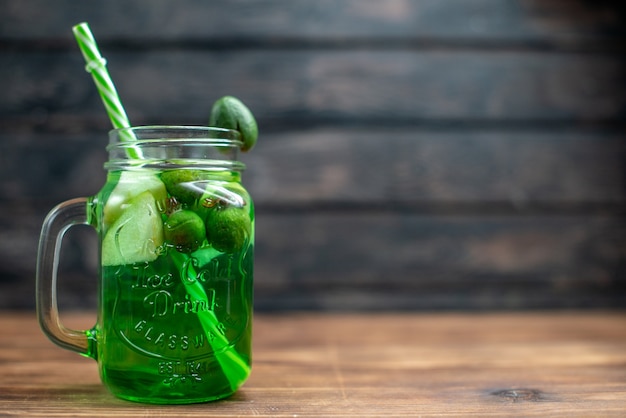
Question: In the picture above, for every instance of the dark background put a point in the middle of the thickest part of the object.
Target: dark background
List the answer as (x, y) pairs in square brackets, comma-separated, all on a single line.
[(429, 154)]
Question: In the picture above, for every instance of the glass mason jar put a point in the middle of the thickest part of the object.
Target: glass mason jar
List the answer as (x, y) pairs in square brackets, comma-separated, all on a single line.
[(176, 234)]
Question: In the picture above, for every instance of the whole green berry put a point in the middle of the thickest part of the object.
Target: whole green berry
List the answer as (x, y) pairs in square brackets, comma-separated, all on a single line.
[(228, 228), (230, 113), (185, 184), (184, 230)]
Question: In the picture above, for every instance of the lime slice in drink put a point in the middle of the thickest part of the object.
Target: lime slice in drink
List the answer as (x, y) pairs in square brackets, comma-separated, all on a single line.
[(130, 185), (136, 235)]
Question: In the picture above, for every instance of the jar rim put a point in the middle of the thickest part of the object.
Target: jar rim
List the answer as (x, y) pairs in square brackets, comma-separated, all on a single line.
[(155, 132), (166, 145)]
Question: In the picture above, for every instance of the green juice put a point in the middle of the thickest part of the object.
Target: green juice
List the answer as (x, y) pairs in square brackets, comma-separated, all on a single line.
[(175, 314)]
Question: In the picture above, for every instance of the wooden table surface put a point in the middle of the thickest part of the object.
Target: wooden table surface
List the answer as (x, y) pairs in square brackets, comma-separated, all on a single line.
[(486, 364)]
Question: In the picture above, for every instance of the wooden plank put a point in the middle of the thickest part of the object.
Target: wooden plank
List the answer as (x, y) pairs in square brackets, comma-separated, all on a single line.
[(37, 170), (378, 261), (390, 166), (374, 168), (356, 85), (356, 261), (476, 20), (500, 364), (446, 130)]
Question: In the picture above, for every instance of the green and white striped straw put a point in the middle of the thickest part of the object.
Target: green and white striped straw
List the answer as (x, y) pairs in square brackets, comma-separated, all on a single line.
[(96, 66)]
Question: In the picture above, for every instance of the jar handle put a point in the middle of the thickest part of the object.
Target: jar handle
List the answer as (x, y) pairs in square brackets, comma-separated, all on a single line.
[(59, 220)]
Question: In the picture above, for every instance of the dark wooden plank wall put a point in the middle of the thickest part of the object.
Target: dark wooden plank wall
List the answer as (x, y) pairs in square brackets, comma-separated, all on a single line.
[(429, 154)]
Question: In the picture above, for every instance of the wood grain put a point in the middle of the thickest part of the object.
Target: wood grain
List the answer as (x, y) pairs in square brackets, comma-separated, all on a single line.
[(434, 219), (539, 364), (330, 260), (180, 85), (565, 21), (434, 154), (384, 165)]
